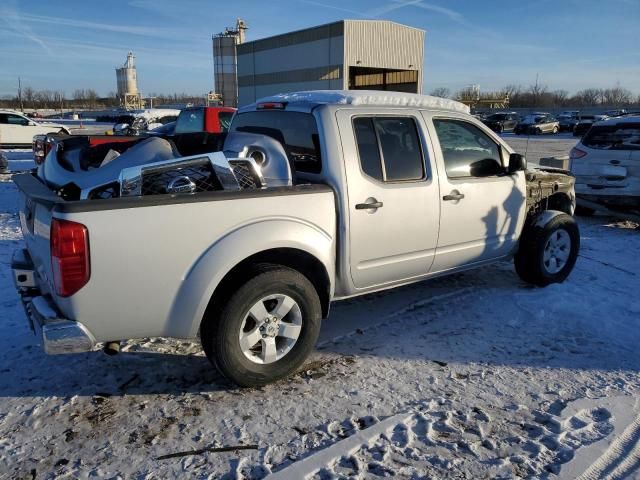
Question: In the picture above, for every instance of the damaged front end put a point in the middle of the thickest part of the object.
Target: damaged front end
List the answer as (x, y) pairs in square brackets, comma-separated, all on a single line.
[(550, 189)]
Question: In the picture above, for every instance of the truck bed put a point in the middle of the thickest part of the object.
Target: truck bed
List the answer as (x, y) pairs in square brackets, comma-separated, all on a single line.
[(152, 261)]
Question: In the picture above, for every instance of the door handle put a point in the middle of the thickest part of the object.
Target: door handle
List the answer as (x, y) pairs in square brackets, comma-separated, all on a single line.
[(371, 204), (453, 196)]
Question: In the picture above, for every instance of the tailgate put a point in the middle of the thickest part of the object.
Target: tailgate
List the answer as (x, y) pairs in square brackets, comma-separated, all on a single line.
[(35, 205)]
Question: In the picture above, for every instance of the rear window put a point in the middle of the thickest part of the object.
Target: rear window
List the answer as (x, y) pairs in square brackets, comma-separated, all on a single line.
[(613, 137), (296, 131), (225, 120), (190, 121)]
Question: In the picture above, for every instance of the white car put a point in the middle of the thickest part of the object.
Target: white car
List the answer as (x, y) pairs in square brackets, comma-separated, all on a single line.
[(606, 164), (17, 130)]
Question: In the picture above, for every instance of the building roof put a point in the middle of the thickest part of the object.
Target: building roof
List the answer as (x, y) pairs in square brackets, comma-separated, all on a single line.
[(317, 32)]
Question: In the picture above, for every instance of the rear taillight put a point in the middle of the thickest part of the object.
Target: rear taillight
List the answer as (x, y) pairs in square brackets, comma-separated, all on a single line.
[(69, 256), (576, 153), (41, 148)]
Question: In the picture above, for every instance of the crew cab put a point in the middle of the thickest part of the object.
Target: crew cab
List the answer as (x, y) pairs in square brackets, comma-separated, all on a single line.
[(352, 193), (17, 130)]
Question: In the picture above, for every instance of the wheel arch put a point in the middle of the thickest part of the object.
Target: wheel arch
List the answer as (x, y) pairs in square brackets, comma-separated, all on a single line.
[(294, 258), (303, 247), (562, 202)]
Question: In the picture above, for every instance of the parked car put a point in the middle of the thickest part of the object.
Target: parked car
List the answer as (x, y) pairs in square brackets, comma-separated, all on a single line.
[(585, 122), (615, 113), (357, 206), (537, 124), (138, 122), (606, 164), (568, 120), (502, 121), (17, 130), (4, 163)]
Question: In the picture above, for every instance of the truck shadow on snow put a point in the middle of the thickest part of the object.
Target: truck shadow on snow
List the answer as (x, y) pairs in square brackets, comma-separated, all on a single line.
[(484, 316)]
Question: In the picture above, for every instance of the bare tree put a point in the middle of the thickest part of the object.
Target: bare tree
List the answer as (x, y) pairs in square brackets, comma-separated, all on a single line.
[(617, 96), (587, 98), (28, 94), (538, 91), (560, 98), (442, 92), (91, 96)]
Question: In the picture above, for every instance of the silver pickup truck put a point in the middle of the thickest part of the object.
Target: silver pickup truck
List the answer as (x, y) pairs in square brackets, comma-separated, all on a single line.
[(377, 190)]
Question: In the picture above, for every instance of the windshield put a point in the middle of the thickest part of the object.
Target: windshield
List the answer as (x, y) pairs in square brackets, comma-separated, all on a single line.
[(613, 137), (296, 131), (497, 116)]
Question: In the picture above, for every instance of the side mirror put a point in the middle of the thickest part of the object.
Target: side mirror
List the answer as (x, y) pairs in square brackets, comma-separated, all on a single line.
[(517, 163), (120, 128)]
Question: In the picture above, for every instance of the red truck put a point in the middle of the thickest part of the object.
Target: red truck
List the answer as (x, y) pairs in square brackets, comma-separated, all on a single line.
[(194, 128), (204, 119)]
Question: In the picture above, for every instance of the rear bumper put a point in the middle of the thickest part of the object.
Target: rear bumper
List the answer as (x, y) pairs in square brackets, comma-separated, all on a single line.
[(58, 334)]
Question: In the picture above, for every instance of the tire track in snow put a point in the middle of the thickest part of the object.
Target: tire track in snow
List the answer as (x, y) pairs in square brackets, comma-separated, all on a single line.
[(621, 459)]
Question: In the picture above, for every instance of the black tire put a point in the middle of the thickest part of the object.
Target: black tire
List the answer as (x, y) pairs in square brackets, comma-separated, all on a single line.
[(529, 261), (584, 211), (221, 328)]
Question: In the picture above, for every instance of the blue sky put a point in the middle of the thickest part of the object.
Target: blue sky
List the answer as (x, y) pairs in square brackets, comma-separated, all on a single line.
[(69, 44)]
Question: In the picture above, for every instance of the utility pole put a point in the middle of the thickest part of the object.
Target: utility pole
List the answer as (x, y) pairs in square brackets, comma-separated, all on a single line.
[(20, 94)]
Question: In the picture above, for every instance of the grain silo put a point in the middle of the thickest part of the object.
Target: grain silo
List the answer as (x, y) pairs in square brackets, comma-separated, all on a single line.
[(127, 79), (225, 63)]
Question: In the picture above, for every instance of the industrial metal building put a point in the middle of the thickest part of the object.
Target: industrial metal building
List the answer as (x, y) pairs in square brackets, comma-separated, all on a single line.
[(349, 54)]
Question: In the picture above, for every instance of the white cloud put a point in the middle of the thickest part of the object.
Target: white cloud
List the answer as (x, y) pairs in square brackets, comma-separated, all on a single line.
[(10, 16)]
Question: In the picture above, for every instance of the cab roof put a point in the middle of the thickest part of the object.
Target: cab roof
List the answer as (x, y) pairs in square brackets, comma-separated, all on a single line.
[(359, 98)]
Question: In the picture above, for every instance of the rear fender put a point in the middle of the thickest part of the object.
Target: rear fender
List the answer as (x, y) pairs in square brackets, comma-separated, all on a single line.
[(208, 271)]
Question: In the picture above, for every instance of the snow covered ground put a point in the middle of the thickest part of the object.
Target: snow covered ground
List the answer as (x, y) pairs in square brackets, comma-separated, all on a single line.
[(477, 375)]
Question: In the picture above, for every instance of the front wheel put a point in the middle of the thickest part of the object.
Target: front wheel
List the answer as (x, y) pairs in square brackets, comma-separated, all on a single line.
[(548, 253), (266, 329), (555, 130)]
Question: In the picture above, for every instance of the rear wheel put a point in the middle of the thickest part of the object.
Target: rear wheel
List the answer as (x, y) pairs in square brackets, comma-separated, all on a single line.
[(547, 254), (266, 329)]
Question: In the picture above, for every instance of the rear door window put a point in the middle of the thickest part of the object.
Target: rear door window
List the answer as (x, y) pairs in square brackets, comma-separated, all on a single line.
[(296, 131), (613, 137), (389, 148)]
